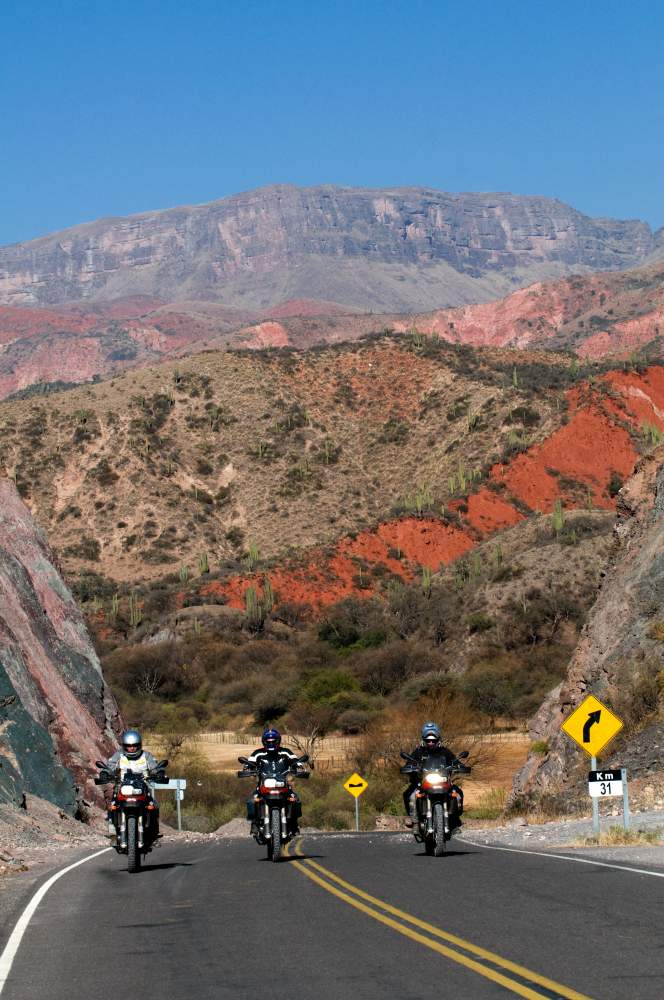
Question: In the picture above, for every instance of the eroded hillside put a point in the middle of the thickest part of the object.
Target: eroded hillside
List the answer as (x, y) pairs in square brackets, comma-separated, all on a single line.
[(389, 451)]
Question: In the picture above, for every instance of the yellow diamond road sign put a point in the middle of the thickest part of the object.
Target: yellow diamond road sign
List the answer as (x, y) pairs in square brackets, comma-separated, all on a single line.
[(592, 725), (356, 784)]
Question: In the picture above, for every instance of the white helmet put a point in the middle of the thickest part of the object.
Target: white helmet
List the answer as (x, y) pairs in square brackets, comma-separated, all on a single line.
[(132, 744)]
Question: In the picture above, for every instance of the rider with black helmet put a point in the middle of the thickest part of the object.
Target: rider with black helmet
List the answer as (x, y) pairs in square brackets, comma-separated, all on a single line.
[(271, 747), (431, 739)]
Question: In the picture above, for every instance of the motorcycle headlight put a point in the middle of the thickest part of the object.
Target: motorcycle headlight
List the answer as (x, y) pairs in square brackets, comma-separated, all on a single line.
[(128, 790), (434, 779), (273, 783)]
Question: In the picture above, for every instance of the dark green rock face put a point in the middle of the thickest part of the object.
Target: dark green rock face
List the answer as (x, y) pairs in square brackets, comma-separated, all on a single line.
[(28, 762), (56, 716)]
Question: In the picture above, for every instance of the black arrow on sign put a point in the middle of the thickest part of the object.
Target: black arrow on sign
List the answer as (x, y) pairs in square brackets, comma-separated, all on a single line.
[(593, 717), (356, 784)]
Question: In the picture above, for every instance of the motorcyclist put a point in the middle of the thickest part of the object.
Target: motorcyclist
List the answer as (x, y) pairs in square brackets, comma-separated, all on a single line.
[(130, 757), (272, 749), (431, 740)]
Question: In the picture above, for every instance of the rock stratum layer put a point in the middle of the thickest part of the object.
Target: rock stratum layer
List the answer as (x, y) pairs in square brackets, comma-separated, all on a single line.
[(388, 249), (620, 636), (56, 714)]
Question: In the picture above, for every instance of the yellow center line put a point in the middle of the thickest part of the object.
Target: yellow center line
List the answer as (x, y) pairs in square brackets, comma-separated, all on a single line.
[(521, 989)]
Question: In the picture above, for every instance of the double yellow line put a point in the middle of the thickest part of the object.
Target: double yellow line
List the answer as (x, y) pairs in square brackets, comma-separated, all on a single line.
[(512, 976)]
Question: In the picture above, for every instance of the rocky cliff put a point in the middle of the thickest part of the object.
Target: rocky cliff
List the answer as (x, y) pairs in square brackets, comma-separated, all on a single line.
[(56, 714), (389, 249), (621, 645)]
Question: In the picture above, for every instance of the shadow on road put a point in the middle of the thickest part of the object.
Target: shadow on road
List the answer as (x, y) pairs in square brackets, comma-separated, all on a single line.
[(170, 864), (447, 854), (297, 857)]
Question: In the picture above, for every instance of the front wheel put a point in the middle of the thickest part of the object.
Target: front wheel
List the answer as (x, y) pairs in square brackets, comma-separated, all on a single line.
[(438, 830), (133, 851), (274, 848)]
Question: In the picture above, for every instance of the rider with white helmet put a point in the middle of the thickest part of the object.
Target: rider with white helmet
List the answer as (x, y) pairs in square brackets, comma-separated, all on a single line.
[(130, 757)]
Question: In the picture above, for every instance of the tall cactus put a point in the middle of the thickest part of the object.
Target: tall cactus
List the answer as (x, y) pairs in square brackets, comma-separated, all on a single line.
[(135, 610)]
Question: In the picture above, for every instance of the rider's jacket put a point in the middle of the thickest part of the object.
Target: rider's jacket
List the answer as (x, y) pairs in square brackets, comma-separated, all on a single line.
[(146, 762), (421, 751), (283, 754)]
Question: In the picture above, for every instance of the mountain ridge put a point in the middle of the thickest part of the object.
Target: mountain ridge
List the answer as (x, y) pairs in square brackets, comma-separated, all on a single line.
[(391, 249)]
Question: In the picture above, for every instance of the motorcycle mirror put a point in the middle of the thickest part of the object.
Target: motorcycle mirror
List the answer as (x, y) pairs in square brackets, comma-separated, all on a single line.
[(304, 758), (100, 763), (243, 760), (463, 755), (161, 765)]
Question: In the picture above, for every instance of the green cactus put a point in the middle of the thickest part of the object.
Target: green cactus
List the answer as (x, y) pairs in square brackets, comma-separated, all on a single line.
[(427, 577), (135, 610), (203, 564), (558, 518), (253, 555)]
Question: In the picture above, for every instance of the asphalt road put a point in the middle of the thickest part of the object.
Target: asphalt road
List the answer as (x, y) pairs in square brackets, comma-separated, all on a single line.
[(366, 916)]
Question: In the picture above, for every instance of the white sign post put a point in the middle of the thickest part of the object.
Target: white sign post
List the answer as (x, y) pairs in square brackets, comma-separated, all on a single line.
[(178, 785), (607, 784)]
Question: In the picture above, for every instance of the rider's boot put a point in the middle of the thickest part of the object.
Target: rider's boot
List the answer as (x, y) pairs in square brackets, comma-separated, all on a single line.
[(410, 823)]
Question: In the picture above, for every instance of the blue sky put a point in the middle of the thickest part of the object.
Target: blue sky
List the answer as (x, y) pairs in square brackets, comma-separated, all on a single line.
[(113, 108)]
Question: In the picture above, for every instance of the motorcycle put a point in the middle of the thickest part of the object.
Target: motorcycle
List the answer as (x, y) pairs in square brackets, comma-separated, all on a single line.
[(436, 802), (133, 809), (274, 800)]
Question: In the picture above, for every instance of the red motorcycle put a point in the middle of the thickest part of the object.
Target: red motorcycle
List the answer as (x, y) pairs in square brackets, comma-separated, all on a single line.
[(275, 803)]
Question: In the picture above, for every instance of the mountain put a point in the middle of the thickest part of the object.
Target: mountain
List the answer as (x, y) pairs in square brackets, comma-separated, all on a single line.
[(56, 714), (386, 249)]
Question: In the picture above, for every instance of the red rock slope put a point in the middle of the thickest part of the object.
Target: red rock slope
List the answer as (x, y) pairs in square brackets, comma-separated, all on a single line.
[(576, 465)]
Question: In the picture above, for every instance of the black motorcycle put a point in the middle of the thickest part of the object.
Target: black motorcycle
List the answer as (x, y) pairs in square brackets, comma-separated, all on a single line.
[(275, 804), (436, 798), (133, 810)]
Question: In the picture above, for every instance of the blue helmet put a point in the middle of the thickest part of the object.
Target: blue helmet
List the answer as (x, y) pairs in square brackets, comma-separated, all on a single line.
[(431, 734), (271, 739)]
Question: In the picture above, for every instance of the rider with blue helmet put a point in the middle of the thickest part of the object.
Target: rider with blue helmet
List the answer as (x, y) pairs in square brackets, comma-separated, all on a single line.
[(431, 739)]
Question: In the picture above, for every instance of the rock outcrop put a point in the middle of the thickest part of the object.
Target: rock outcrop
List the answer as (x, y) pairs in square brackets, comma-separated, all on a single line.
[(388, 249), (620, 636), (56, 714)]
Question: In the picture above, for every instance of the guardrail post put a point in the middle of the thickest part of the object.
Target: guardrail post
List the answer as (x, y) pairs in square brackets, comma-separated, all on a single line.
[(177, 805), (623, 778)]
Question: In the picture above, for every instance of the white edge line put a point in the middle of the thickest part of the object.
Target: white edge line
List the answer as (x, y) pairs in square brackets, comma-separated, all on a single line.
[(12, 946), (562, 857)]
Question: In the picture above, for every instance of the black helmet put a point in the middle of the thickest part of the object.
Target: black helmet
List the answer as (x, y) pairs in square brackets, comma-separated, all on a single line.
[(132, 744), (430, 734), (271, 739)]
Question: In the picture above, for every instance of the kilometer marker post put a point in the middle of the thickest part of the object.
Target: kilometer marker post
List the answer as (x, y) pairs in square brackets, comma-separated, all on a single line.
[(595, 802)]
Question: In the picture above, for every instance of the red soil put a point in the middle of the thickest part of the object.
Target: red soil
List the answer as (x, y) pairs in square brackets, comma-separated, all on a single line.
[(17, 323), (307, 307), (327, 578), (488, 513), (267, 335), (576, 460)]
